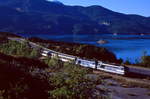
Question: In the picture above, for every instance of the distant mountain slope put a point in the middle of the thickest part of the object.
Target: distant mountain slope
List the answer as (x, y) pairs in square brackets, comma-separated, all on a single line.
[(41, 16)]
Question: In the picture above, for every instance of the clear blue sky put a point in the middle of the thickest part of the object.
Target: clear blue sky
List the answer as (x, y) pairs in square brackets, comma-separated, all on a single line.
[(141, 7)]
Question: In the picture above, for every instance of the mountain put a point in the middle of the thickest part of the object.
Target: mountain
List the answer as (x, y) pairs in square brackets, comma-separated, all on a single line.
[(42, 16)]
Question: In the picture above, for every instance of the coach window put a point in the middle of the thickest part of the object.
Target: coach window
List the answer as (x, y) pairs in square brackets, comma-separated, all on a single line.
[(102, 66), (79, 62), (122, 68)]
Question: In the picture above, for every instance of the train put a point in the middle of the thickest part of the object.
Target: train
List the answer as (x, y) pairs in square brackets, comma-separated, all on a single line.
[(98, 65)]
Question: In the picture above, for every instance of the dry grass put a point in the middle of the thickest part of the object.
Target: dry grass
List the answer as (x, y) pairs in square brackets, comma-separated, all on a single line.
[(125, 81), (133, 82)]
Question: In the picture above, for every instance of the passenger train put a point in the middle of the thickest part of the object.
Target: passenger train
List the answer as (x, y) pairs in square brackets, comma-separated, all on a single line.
[(99, 65)]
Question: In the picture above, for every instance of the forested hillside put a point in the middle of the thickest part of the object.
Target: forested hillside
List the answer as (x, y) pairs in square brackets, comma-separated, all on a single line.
[(41, 16)]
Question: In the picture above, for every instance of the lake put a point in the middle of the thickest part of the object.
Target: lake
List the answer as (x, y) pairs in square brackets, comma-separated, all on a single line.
[(127, 47)]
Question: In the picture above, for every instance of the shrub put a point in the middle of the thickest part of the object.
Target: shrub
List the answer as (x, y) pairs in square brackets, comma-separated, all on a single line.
[(54, 63), (71, 83), (19, 49), (145, 61), (127, 62)]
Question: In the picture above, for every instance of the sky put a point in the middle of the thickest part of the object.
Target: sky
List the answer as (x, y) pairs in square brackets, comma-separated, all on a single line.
[(141, 7)]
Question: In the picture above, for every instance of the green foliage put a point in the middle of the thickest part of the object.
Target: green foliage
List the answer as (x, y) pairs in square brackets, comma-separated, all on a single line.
[(70, 83), (61, 93), (54, 63), (34, 53), (19, 49), (127, 62), (120, 61)]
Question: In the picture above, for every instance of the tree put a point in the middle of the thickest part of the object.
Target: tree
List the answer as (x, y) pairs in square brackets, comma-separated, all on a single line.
[(146, 61), (127, 62), (54, 63), (34, 53)]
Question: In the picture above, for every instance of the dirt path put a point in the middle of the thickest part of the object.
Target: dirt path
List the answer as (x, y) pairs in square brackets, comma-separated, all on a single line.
[(123, 87)]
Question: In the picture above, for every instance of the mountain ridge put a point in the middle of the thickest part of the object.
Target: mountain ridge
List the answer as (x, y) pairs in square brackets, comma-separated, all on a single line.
[(42, 16)]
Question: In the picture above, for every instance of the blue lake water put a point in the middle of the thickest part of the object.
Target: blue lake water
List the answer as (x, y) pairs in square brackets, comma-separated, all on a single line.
[(127, 47)]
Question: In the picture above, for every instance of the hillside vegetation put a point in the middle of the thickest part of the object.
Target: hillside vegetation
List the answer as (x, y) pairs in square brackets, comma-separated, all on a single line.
[(31, 79), (24, 76)]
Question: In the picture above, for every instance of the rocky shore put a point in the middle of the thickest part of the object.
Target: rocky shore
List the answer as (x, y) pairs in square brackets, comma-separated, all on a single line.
[(102, 42)]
